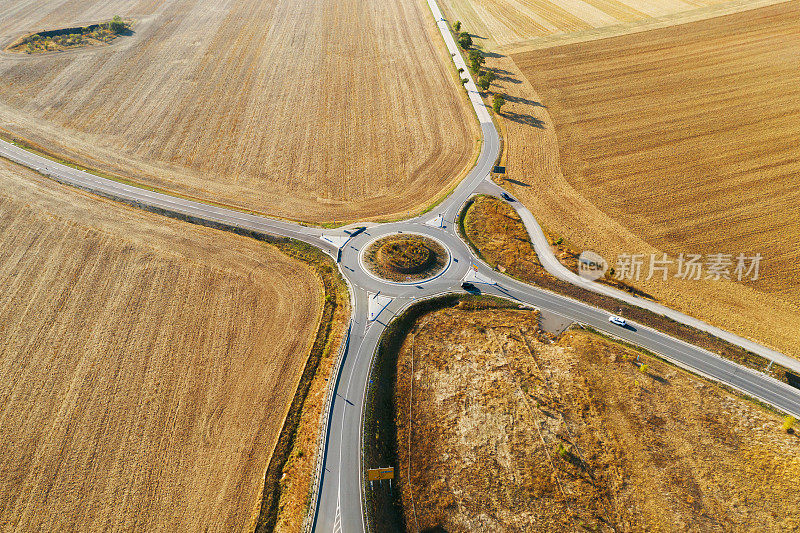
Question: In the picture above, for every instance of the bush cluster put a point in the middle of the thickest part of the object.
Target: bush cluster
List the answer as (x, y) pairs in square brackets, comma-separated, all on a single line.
[(49, 40)]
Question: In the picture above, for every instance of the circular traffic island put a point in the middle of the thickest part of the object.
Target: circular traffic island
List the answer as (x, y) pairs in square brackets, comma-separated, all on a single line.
[(405, 258)]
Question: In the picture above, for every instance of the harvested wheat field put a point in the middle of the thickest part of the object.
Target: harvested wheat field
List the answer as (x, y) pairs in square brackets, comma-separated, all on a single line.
[(677, 140), (506, 432), (514, 25), (146, 367), (318, 110)]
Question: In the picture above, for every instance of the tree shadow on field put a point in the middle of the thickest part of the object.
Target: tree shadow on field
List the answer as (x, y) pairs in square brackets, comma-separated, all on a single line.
[(503, 75), (522, 118), (517, 182), (500, 71), (526, 101)]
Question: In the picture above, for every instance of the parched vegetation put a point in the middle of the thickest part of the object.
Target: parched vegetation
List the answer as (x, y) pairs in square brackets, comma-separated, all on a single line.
[(147, 365), (408, 256), (405, 257), (383, 508), (498, 429), (297, 470), (67, 38), (316, 110)]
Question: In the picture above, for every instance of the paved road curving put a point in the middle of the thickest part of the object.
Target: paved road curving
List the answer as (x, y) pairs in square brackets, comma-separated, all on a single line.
[(337, 503), (554, 267)]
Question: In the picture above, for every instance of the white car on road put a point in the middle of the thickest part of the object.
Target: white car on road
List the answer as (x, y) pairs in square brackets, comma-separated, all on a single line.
[(618, 320)]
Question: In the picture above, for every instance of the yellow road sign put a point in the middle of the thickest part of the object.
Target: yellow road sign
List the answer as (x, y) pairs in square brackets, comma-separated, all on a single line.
[(376, 474)]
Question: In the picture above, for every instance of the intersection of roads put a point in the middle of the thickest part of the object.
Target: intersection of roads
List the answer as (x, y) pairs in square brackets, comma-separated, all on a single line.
[(337, 503)]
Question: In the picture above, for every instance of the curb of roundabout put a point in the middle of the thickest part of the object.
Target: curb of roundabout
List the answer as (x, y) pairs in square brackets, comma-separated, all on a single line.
[(380, 279)]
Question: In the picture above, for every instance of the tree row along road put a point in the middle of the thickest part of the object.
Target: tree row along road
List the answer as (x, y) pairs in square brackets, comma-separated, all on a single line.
[(337, 503)]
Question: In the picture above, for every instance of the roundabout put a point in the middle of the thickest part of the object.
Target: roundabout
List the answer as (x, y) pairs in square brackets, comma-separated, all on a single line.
[(404, 258)]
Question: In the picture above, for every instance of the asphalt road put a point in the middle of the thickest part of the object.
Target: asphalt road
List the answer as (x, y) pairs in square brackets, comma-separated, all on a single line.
[(554, 266), (337, 503)]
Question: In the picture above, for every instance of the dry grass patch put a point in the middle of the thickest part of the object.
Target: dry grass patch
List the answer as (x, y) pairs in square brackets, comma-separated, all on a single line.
[(496, 231), (298, 471), (147, 365), (405, 257), (320, 110), (499, 431)]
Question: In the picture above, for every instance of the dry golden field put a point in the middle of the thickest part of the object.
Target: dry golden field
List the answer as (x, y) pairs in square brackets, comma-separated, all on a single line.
[(499, 430), (146, 366), (318, 110), (679, 139), (512, 25), (688, 136)]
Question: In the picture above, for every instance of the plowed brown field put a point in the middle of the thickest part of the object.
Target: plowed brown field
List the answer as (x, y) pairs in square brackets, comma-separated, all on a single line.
[(146, 365), (317, 110)]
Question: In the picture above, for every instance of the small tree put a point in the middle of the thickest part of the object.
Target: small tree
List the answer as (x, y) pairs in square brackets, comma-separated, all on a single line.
[(498, 102), (457, 26), (465, 40), (562, 451), (485, 79), (788, 424), (476, 59), (116, 25), (643, 369)]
